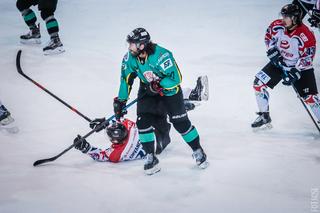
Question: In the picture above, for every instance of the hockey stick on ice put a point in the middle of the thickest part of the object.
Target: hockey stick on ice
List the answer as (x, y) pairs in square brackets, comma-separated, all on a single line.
[(105, 123), (18, 64)]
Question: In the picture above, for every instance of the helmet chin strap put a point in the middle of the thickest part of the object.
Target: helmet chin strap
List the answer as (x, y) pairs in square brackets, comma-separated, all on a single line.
[(293, 25)]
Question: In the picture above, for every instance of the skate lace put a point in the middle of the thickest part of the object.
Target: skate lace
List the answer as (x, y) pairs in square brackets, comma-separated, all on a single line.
[(260, 117), (198, 155), (149, 159)]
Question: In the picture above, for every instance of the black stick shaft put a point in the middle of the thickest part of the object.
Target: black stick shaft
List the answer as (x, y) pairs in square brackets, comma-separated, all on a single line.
[(18, 64)]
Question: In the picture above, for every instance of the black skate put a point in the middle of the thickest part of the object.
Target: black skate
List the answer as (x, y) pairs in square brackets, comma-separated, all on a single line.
[(201, 91), (151, 166), (54, 47), (263, 121), (201, 158), (6, 121), (32, 37)]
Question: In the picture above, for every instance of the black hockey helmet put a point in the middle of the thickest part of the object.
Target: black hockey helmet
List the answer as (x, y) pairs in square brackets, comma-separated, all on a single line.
[(139, 36), (117, 132), (294, 12)]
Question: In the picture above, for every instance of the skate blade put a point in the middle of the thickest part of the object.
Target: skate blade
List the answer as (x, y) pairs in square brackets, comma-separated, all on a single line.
[(204, 165), (56, 51), (5, 122), (153, 170), (205, 83), (263, 127), (31, 41)]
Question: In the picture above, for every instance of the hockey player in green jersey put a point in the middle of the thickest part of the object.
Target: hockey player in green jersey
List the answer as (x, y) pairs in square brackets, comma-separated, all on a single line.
[(159, 93)]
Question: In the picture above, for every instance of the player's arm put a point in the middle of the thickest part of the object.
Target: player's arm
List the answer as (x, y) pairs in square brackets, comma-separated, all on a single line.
[(127, 78), (171, 76)]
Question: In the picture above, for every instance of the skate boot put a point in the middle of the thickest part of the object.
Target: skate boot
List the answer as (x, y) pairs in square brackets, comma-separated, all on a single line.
[(6, 121), (151, 165), (54, 46), (32, 37), (201, 91), (201, 158), (263, 121)]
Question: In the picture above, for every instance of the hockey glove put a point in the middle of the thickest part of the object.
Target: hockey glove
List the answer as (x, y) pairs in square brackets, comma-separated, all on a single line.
[(156, 88), (118, 108), (274, 55), (98, 124), (81, 144), (315, 18), (291, 76)]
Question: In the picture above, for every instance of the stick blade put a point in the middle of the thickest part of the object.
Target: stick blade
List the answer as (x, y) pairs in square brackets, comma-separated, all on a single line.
[(42, 161)]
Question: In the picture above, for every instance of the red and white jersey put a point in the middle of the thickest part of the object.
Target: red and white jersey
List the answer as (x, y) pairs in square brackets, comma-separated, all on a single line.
[(130, 149), (297, 47)]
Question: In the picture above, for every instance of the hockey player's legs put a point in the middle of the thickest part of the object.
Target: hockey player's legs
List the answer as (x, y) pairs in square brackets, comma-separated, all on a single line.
[(47, 9), (268, 77), (32, 37), (307, 89), (179, 118), (147, 138)]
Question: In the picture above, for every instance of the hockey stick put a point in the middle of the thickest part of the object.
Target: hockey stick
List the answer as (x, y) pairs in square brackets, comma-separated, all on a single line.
[(302, 102), (306, 108), (105, 123), (18, 64)]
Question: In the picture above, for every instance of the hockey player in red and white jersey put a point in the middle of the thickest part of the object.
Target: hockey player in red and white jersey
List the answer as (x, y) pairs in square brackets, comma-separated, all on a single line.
[(291, 48), (125, 144), (124, 138)]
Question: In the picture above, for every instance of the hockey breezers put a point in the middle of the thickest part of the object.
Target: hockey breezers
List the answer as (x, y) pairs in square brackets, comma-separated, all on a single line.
[(18, 64), (105, 123)]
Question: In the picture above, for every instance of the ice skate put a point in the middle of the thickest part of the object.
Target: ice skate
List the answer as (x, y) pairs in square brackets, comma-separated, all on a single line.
[(201, 158), (54, 47), (6, 121), (263, 121), (201, 91), (32, 37), (151, 165)]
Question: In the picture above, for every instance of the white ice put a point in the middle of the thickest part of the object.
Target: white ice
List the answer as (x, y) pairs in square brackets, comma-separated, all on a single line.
[(274, 171)]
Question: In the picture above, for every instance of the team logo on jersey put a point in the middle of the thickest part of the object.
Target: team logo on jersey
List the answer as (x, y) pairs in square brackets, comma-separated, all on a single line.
[(126, 57), (150, 76), (167, 64), (284, 44), (303, 37), (123, 66)]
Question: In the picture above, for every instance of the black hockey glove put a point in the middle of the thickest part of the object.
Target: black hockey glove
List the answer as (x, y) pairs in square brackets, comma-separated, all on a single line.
[(98, 125), (155, 87), (291, 76), (315, 18), (118, 108), (274, 56), (81, 144)]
